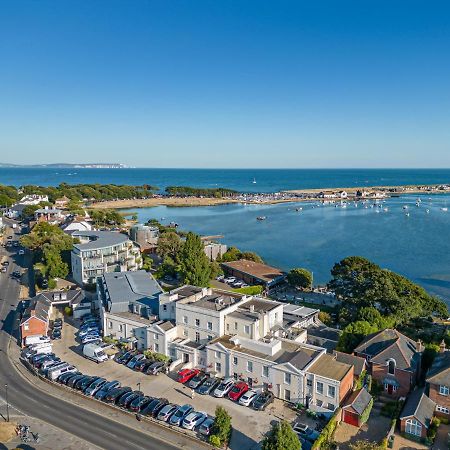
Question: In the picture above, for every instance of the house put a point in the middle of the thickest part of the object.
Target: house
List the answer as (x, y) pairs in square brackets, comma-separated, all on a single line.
[(356, 407), (342, 194), (393, 360), (214, 250), (415, 419), (15, 211), (76, 225), (327, 194), (254, 273), (438, 382), (47, 214), (62, 202), (33, 199), (145, 236), (359, 364), (100, 252)]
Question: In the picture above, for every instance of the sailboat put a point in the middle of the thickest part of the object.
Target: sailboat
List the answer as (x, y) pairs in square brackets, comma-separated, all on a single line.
[(254, 181)]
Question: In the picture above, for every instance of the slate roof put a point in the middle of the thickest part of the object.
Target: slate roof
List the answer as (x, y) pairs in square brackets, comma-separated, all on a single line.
[(439, 372), (420, 406), (357, 362), (99, 239), (358, 401), (389, 344), (41, 307), (326, 366)]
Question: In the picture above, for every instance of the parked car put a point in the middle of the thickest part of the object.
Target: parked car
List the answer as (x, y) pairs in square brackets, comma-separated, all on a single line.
[(140, 403), (58, 322), (153, 408), (304, 431), (197, 380), (126, 400), (248, 398), (229, 280), (187, 374), (86, 383), (156, 368), (56, 334), (87, 331), (180, 414), (66, 376), (83, 381), (71, 383), (205, 427), (264, 399), (208, 385), (95, 386), (306, 445), (224, 387), (56, 372), (91, 338), (114, 394), (165, 413), (139, 366), (194, 419), (133, 361), (106, 388), (237, 390), (123, 359)]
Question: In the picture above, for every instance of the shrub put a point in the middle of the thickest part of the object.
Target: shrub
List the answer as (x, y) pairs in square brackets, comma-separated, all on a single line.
[(51, 283), (68, 311), (222, 426), (366, 413), (327, 433), (215, 441), (156, 356), (250, 290)]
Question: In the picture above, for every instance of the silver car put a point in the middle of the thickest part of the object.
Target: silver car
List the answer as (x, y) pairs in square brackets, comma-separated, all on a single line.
[(166, 412)]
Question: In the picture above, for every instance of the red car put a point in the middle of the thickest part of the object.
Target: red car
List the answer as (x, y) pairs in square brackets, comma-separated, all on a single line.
[(187, 374), (240, 388)]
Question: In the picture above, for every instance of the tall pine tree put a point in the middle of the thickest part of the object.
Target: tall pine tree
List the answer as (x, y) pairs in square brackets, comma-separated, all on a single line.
[(195, 267)]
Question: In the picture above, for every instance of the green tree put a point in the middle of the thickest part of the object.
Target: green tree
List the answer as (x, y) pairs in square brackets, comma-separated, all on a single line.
[(5, 201), (221, 428), (195, 268), (232, 254), (169, 245), (281, 437), (353, 334), (55, 267), (251, 256), (325, 318), (300, 278), (29, 210)]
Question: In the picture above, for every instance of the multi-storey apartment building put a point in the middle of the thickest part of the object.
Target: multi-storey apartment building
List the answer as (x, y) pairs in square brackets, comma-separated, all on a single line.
[(100, 252)]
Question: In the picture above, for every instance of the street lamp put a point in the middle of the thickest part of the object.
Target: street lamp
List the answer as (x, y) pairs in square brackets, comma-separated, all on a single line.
[(7, 404), (139, 386)]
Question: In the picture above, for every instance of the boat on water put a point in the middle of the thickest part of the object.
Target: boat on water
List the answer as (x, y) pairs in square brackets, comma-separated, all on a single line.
[(254, 181), (407, 214), (405, 206), (261, 218), (444, 208), (299, 209), (428, 211)]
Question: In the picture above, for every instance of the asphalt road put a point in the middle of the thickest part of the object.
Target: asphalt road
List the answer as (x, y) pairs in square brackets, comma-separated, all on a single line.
[(91, 427)]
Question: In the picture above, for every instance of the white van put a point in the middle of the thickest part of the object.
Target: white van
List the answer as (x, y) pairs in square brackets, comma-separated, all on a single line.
[(39, 345), (95, 352), (54, 374), (42, 349), (30, 340)]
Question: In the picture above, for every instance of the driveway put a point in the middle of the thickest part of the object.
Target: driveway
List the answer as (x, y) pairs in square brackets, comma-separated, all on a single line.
[(249, 425)]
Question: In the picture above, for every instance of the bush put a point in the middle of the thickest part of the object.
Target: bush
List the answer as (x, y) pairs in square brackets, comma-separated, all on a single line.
[(68, 311), (249, 290), (215, 441), (156, 356), (327, 433), (221, 428), (366, 413), (52, 283), (433, 428)]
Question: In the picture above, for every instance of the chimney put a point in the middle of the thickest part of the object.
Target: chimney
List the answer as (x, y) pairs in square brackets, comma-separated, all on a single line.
[(419, 346), (442, 347)]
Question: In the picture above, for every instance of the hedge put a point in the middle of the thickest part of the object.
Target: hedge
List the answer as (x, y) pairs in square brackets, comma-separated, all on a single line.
[(327, 433), (366, 413)]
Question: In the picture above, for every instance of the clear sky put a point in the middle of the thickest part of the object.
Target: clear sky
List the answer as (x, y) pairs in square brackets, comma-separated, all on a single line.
[(226, 83)]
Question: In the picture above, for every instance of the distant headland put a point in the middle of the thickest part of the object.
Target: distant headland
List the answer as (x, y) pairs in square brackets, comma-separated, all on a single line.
[(70, 166)]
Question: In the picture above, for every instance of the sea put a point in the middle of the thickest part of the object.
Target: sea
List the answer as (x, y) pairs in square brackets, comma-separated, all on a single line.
[(396, 234)]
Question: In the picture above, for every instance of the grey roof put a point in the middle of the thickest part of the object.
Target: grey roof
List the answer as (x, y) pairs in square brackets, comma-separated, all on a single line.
[(186, 291), (356, 361), (439, 372), (389, 344), (244, 315), (260, 305), (71, 296), (358, 401), (99, 239), (324, 332), (47, 211), (326, 366), (420, 406), (298, 310), (41, 307)]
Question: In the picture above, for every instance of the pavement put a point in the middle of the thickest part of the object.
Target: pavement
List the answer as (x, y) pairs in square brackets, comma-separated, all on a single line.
[(249, 425), (59, 410)]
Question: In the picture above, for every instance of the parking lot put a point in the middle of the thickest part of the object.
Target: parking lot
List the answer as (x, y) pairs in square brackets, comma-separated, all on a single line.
[(249, 425)]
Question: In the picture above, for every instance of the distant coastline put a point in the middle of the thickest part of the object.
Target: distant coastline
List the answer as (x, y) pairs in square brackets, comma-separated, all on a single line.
[(67, 166)]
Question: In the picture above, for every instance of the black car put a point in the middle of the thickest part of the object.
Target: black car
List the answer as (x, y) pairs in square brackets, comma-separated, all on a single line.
[(155, 368), (140, 403), (264, 399), (208, 385), (86, 383), (106, 388), (71, 383), (56, 334), (82, 380), (155, 406), (115, 394), (69, 376), (125, 400), (142, 364), (58, 322), (123, 359)]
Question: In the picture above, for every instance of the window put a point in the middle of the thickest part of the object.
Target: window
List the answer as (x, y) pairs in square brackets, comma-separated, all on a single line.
[(110, 324), (218, 367), (330, 406), (185, 333), (27, 327), (185, 319), (442, 409), (287, 378), (157, 348), (155, 336), (197, 336), (443, 390), (287, 395), (210, 337), (265, 371), (249, 366), (209, 325), (413, 427), (391, 367), (235, 325), (309, 383), (319, 402), (331, 391), (276, 317), (228, 327), (197, 322), (218, 355), (247, 329), (235, 360), (164, 307), (319, 387), (120, 327)]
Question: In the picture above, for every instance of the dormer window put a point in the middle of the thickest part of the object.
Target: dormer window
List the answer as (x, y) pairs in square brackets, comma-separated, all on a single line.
[(391, 367)]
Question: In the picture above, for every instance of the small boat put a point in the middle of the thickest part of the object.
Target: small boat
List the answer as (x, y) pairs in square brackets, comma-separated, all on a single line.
[(299, 209), (261, 218), (428, 211), (405, 206), (444, 208), (407, 214), (254, 181), (386, 209)]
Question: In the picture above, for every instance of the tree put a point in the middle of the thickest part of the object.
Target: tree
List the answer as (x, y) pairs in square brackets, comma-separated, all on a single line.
[(221, 428), (232, 254), (251, 256), (353, 334), (55, 267), (300, 278), (365, 445), (325, 318), (29, 210), (169, 244), (195, 268), (281, 437), (5, 201)]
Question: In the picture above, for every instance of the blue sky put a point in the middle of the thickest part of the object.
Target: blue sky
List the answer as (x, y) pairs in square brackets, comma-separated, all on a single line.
[(226, 83)]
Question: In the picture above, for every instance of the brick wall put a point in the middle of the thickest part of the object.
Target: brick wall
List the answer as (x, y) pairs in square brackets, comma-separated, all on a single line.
[(346, 385), (35, 327), (439, 399), (403, 377), (403, 428)]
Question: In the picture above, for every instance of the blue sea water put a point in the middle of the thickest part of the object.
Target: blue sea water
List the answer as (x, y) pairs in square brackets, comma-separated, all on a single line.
[(416, 246), (267, 180)]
